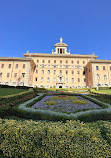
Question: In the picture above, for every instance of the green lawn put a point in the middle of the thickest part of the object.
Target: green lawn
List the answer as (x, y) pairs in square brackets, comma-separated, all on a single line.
[(108, 91), (9, 91)]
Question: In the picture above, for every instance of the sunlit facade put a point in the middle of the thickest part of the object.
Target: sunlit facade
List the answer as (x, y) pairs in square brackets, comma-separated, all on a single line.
[(59, 69)]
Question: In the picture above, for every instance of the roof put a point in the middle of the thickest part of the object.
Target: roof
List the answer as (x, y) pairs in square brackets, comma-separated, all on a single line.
[(16, 59), (59, 55), (100, 61), (61, 45)]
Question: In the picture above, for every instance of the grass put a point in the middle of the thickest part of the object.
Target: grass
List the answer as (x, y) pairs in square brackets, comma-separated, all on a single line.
[(9, 91), (108, 91), (105, 91)]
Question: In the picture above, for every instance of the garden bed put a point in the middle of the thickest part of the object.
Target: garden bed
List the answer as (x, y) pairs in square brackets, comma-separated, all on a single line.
[(65, 104), (25, 110)]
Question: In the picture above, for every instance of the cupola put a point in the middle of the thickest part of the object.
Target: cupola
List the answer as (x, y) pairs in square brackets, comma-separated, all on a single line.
[(60, 48)]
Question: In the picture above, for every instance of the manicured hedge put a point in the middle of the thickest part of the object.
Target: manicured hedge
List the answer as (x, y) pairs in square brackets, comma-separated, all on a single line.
[(30, 139), (89, 115), (18, 87)]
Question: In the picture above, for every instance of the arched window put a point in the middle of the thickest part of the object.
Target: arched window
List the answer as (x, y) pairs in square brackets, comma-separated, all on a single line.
[(98, 77), (48, 79), (105, 77)]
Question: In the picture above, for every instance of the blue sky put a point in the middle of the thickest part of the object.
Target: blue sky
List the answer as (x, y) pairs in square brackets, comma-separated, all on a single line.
[(36, 25)]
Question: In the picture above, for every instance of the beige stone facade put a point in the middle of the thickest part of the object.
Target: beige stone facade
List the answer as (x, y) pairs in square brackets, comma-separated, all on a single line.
[(59, 69)]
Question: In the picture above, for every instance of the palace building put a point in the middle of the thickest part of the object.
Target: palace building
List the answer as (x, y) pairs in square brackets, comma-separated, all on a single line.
[(59, 69)]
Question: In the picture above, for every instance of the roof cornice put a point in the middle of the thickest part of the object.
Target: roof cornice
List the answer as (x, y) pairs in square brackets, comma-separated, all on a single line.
[(16, 59), (56, 55), (100, 61)]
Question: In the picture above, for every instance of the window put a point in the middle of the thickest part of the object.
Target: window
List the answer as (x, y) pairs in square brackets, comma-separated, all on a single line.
[(89, 70), (66, 71), (98, 77), (78, 62), (36, 71), (60, 51), (9, 66), (78, 72), (8, 74), (37, 61), (15, 74), (16, 66), (104, 68), (61, 61), (66, 79), (42, 79), (78, 79), (60, 71), (54, 61), (66, 61), (84, 80), (43, 61), (72, 79), (2, 66), (110, 68), (23, 75), (54, 71), (48, 61), (60, 79), (42, 71), (54, 79), (48, 79), (105, 77), (83, 62), (72, 72), (23, 66), (48, 71), (84, 72), (97, 67), (35, 78), (72, 62), (0, 74)]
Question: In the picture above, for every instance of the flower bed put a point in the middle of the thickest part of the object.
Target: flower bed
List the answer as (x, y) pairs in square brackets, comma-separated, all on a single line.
[(25, 110), (65, 104)]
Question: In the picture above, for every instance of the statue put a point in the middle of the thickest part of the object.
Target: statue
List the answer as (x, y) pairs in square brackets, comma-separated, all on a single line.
[(61, 40)]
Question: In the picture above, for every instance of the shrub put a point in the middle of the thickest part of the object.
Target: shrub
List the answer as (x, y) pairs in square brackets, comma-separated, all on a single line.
[(63, 97), (80, 101), (42, 139), (50, 102)]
